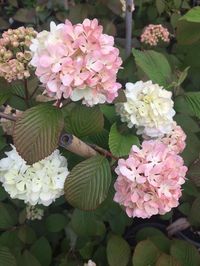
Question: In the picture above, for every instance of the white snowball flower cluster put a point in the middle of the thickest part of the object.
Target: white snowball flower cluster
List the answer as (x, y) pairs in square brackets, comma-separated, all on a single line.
[(149, 107), (40, 183), (34, 213), (90, 263)]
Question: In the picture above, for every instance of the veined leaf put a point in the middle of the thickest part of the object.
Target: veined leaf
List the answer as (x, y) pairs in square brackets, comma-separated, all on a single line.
[(154, 65), (83, 121), (146, 253), (120, 144), (193, 100), (167, 260), (37, 132), (185, 253), (6, 257), (118, 251), (87, 185)]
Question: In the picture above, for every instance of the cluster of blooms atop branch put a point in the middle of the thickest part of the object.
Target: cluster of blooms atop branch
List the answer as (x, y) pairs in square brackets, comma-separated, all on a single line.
[(152, 34), (34, 213), (149, 181), (148, 107), (15, 54), (77, 62), (40, 183), (90, 263)]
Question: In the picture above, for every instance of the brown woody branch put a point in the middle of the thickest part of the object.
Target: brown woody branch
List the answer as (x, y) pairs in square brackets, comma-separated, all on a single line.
[(74, 144)]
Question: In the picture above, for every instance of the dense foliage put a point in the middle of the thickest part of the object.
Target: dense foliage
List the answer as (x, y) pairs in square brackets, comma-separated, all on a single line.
[(86, 223)]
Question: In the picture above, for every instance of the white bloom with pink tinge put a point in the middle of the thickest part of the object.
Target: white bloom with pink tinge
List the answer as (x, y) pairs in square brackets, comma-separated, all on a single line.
[(77, 62), (90, 263), (148, 107), (40, 183), (149, 181)]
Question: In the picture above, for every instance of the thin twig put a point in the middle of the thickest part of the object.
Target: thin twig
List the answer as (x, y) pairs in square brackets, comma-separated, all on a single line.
[(103, 151), (26, 92), (74, 144), (8, 117), (129, 20)]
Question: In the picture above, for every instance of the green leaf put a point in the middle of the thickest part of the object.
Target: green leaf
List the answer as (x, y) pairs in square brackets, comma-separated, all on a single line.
[(56, 222), (6, 257), (5, 92), (26, 234), (184, 208), (120, 144), (193, 15), (160, 5), (3, 194), (28, 259), (177, 3), (147, 232), (156, 237), (194, 173), (191, 152), (187, 32), (37, 132), (146, 253), (87, 185), (187, 123), (83, 121), (118, 251), (193, 100), (10, 239), (84, 224), (167, 260), (154, 65), (41, 249), (185, 253), (194, 215), (6, 218), (109, 112)]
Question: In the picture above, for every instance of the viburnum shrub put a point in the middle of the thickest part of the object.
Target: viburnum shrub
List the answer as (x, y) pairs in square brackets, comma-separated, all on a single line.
[(92, 140)]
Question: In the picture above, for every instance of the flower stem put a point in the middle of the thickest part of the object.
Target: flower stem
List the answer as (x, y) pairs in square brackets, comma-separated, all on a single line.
[(129, 20), (26, 92)]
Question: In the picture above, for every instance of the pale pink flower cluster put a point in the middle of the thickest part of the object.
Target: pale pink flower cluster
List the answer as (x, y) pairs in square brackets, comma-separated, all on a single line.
[(152, 34), (77, 62), (175, 140), (149, 181), (14, 53)]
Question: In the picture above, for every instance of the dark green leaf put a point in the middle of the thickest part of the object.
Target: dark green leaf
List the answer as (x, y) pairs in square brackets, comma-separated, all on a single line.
[(120, 144), (118, 251), (87, 185), (41, 249), (6, 257), (37, 132), (154, 65), (27, 259), (167, 260), (83, 121), (146, 253), (56, 222), (185, 253), (84, 224)]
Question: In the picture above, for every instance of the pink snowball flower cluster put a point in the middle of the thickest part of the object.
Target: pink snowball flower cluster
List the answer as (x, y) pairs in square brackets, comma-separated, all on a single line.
[(14, 53), (77, 62), (149, 181), (175, 139), (152, 34)]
